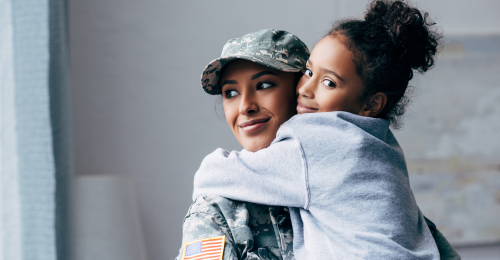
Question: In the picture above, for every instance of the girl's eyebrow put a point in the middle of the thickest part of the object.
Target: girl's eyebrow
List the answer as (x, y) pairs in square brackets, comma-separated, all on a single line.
[(331, 72), (262, 73), (228, 82), (327, 71)]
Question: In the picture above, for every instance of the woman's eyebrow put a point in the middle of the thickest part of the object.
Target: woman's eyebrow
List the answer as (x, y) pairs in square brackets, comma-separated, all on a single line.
[(262, 73), (228, 82)]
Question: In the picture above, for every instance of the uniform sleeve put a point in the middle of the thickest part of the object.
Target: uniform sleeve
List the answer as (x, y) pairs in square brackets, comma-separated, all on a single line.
[(203, 221), (446, 251), (276, 175)]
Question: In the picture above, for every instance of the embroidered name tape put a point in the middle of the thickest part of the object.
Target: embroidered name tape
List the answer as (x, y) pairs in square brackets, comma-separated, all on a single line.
[(205, 249)]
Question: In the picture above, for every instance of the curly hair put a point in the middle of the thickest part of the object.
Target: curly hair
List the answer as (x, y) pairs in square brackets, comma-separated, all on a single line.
[(393, 40)]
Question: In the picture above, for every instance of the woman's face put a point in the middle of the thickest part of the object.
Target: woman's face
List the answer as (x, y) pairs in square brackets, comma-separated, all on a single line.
[(256, 100), (330, 82)]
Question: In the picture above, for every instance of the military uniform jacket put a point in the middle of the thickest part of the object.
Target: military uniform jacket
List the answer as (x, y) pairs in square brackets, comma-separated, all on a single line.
[(256, 231), (251, 231)]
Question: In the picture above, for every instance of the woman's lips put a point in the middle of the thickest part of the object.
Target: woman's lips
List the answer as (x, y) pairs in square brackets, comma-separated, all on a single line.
[(302, 108), (252, 126)]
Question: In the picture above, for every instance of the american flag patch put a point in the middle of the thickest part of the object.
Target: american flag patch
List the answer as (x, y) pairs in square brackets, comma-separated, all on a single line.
[(205, 249)]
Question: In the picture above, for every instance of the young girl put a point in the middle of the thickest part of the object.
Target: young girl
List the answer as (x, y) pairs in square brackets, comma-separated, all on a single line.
[(342, 171)]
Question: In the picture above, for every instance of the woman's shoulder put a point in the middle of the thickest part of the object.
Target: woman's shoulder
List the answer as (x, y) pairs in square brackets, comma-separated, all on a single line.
[(243, 223), (227, 214), (211, 204)]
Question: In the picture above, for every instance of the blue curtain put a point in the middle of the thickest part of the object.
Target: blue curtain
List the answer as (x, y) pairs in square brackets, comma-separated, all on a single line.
[(35, 147)]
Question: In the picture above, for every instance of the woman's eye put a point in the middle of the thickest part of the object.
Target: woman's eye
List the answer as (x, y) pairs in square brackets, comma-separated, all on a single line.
[(230, 93), (264, 85), (329, 83), (308, 73)]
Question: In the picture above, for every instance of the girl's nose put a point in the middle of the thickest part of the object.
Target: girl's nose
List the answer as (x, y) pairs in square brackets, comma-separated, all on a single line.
[(305, 88), (248, 104)]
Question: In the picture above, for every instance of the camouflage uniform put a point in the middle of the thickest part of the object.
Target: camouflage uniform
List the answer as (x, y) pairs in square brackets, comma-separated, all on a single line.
[(252, 231), (256, 231)]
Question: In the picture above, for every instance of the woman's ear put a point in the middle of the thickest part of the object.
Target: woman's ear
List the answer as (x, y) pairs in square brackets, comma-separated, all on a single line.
[(374, 105)]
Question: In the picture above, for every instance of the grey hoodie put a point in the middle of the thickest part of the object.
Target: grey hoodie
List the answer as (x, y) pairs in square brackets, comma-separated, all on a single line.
[(344, 177)]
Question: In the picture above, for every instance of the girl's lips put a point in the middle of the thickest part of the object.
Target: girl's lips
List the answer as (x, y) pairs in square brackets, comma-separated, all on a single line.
[(252, 126), (301, 109)]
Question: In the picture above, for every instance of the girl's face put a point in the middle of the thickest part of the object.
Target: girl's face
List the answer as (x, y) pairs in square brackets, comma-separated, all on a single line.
[(330, 82), (256, 100)]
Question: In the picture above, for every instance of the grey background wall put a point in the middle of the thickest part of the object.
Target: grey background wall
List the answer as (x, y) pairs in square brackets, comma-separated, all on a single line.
[(138, 107)]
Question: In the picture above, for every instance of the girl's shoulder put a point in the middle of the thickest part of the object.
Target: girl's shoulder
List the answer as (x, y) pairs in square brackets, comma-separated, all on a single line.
[(337, 125)]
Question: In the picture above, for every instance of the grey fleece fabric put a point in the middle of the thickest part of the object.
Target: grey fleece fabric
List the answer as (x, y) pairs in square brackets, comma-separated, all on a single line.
[(344, 177)]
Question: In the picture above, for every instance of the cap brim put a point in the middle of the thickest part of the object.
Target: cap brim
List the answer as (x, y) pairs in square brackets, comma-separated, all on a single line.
[(211, 73)]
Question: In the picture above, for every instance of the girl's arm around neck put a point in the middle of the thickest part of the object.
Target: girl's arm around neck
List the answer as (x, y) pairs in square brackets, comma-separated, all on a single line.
[(276, 175)]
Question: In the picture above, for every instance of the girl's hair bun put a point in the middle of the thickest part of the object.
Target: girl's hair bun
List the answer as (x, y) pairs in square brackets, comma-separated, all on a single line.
[(394, 40), (414, 43)]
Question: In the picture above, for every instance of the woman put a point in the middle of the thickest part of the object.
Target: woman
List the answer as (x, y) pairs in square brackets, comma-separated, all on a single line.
[(265, 233), (256, 76)]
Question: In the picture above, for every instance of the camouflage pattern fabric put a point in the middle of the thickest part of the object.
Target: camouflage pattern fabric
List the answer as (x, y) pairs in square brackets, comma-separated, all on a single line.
[(252, 231), (272, 229), (256, 231), (275, 49)]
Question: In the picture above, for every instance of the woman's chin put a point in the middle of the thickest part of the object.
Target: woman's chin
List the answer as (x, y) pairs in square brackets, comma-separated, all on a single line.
[(259, 138), (256, 146)]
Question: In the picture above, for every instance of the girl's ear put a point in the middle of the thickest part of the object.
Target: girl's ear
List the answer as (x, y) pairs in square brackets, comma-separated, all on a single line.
[(374, 105)]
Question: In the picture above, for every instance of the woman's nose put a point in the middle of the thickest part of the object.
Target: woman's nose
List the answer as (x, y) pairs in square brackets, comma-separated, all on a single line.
[(305, 88), (249, 104)]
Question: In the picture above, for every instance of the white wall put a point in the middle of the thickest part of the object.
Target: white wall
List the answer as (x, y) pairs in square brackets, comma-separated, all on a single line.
[(138, 107)]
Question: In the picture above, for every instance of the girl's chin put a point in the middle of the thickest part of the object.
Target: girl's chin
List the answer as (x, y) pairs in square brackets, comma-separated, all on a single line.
[(303, 109)]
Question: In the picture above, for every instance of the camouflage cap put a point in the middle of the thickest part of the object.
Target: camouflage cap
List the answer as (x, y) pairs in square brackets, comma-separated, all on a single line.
[(279, 50)]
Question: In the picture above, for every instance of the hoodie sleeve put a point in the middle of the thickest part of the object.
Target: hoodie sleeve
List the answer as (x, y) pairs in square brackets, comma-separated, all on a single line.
[(276, 175)]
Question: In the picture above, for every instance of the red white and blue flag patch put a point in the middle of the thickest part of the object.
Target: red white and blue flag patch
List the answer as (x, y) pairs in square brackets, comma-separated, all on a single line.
[(205, 249)]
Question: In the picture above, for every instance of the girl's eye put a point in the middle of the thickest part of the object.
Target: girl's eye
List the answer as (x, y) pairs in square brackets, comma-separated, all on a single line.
[(308, 73), (264, 85), (230, 93), (329, 83)]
